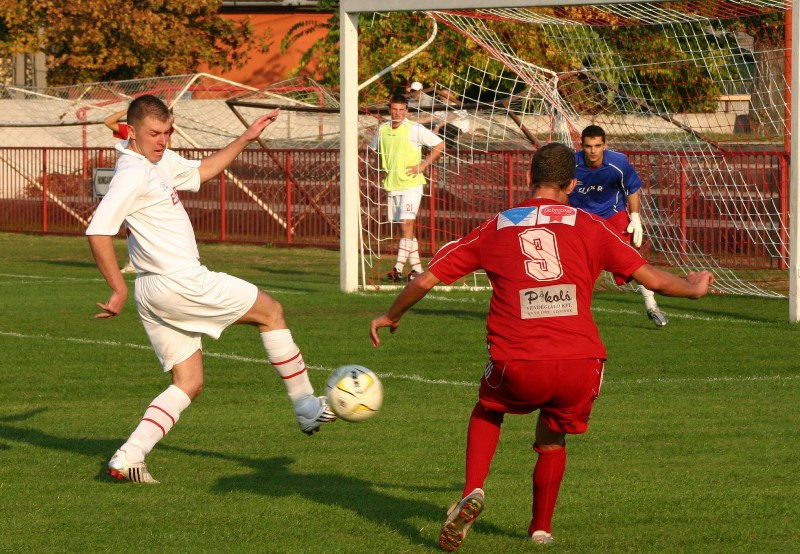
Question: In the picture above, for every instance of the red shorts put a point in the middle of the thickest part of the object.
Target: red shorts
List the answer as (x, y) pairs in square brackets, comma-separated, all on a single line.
[(619, 223), (563, 390)]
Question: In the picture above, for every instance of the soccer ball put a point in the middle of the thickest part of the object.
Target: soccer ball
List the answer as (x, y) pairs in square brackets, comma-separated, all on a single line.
[(354, 393)]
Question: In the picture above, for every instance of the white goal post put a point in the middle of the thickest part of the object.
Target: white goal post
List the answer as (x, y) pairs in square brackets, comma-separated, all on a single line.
[(349, 177)]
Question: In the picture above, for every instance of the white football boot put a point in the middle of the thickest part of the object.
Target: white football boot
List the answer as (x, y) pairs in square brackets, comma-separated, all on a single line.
[(120, 468), (657, 317), (542, 537), (460, 518), (312, 412)]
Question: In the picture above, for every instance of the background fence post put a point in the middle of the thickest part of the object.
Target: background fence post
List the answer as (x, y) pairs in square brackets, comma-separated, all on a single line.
[(288, 197), (508, 163), (432, 207), (223, 209), (682, 203), (783, 193), (44, 191)]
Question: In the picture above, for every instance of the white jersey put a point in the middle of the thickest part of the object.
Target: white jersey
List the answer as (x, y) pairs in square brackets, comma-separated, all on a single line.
[(144, 196)]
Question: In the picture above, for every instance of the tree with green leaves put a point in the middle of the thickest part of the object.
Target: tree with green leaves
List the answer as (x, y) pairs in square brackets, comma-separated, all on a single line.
[(601, 84), (101, 40)]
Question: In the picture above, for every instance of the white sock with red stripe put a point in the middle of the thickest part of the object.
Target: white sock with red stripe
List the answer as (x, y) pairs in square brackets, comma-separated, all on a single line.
[(403, 250), (285, 356), (163, 412), (413, 256)]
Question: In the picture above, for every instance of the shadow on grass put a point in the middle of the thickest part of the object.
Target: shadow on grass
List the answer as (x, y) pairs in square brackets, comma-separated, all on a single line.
[(281, 271), (23, 416), (81, 445), (274, 477), (66, 263), (460, 314), (278, 288)]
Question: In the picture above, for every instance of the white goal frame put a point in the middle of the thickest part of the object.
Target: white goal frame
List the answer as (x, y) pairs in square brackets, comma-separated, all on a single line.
[(349, 216)]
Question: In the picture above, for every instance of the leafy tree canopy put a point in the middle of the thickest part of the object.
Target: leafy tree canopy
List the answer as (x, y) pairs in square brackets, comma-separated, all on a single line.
[(99, 40), (678, 87)]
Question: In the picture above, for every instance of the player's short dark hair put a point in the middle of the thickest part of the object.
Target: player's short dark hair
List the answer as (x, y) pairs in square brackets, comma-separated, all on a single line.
[(593, 131), (398, 99), (147, 105), (553, 165)]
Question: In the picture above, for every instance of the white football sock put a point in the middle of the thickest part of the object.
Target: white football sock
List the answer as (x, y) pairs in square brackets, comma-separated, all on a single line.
[(162, 414), (413, 256), (285, 357), (403, 250), (649, 298)]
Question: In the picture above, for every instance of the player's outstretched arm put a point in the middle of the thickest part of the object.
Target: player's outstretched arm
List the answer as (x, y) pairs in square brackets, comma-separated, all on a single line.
[(112, 121), (216, 163), (695, 285), (106, 259), (410, 295)]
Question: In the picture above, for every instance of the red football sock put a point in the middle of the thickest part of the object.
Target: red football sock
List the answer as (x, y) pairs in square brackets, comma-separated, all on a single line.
[(482, 438), (547, 475)]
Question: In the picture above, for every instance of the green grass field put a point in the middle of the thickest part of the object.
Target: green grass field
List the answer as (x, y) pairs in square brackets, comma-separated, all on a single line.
[(693, 444)]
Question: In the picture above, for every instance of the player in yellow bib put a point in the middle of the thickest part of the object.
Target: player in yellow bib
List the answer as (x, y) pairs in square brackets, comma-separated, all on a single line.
[(400, 142)]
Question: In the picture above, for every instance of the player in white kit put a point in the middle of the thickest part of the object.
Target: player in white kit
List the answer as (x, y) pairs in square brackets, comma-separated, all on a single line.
[(178, 299)]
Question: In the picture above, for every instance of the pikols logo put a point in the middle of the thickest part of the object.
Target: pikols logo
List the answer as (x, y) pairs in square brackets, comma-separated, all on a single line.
[(552, 301)]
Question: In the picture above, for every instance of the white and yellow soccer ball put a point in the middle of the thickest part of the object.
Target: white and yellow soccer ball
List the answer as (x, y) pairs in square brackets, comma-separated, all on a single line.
[(354, 393)]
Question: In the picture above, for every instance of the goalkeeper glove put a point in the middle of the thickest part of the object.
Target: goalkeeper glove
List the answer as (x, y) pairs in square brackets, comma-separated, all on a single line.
[(635, 228)]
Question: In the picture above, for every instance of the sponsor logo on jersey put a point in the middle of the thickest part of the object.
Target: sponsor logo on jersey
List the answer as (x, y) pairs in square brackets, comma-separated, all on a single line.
[(557, 214), (553, 301), (174, 196), (525, 217)]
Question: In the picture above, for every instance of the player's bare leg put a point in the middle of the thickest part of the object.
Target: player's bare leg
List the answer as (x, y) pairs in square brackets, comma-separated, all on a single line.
[(285, 356)]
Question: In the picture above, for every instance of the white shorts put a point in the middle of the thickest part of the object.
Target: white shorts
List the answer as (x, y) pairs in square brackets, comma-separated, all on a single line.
[(177, 309), (404, 204)]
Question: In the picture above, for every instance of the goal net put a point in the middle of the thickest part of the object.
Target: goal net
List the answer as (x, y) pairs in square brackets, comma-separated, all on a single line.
[(694, 93)]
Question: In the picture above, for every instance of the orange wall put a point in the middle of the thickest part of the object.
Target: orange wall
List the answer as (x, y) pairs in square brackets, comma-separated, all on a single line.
[(273, 66)]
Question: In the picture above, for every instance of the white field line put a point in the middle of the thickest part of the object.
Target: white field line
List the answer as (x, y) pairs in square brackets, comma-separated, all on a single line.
[(39, 279), (49, 279), (401, 377), (434, 297)]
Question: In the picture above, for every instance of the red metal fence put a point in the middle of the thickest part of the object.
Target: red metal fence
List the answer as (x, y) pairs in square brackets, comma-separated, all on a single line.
[(292, 197)]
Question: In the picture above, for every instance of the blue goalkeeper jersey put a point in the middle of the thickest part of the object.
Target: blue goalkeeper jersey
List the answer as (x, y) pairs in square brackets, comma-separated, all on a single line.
[(604, 190)]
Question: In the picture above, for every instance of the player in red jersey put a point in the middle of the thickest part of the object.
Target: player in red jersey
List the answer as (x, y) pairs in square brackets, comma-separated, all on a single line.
[(542, 258)]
